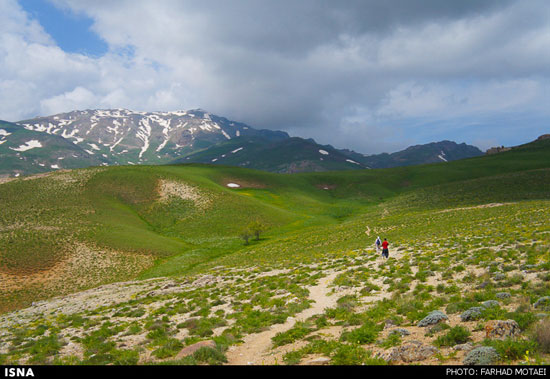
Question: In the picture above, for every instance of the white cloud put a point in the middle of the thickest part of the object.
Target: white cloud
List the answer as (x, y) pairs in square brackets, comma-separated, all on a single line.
[(335, 72)]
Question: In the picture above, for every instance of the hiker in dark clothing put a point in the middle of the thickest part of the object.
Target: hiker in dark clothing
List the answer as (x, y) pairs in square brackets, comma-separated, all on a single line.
[(385, 250)]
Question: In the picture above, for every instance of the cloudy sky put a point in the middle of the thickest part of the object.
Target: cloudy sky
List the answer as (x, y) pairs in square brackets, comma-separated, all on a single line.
[(369, 75)]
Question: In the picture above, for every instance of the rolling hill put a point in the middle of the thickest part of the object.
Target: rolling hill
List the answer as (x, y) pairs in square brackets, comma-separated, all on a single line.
[(290, 155)]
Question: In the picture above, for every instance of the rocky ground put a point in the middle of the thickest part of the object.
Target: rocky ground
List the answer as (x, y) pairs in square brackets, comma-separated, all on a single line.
[(342, 311)]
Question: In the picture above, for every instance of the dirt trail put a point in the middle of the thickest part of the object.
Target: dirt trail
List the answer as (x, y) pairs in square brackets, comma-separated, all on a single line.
[(255, 348)]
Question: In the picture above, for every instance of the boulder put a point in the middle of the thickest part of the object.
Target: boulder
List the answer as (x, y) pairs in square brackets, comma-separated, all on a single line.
[(412, 351), (500, 329)]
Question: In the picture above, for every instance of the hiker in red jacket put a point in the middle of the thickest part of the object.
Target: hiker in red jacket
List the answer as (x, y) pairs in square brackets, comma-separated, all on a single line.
[(385, 251)]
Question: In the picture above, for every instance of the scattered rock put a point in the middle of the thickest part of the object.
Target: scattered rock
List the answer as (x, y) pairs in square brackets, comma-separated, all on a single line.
[(318, 361), (191, 349), (482, 355), (400, 331), (205, 280), (500, 276), (503, 295), (501, 329), (464, 347), (389, 323), (434, 317), (412, 351)]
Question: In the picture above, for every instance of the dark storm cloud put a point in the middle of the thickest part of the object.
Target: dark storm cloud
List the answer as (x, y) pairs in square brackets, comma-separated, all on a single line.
[(343, 72)]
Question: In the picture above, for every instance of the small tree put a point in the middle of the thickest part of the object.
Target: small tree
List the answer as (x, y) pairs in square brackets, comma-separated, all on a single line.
[(256, 227), (245, 234)]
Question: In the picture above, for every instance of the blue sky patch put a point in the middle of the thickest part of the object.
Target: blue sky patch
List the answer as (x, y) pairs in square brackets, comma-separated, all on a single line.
[(72, 32)]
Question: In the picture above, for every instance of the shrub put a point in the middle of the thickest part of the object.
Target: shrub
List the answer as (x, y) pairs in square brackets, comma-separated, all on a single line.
[(454, 336), (363, 335), (524, 320), (168, 348), (434, 317), (541, 335), (511, 349), (472, 314), (354, 355), (298, 331), (460, 306), (210, 356), (394, 339), (490, 304), (483, 355), (543, 303)]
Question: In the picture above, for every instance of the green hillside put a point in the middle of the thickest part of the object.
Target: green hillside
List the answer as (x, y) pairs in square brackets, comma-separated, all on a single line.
[(118, 208), (289, 155), (76, 230)]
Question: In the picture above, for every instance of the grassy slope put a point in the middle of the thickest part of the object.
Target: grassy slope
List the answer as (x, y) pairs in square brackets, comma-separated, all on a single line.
[(117, 209)]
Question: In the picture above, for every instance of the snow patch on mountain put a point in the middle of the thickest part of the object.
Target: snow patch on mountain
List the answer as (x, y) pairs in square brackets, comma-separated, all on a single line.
[(28, 145), (143, 133)]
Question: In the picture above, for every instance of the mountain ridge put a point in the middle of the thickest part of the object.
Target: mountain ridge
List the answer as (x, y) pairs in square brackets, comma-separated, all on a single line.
[(124, 137)]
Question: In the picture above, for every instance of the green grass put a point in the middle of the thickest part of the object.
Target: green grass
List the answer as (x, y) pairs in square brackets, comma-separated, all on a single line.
[(428, 212)]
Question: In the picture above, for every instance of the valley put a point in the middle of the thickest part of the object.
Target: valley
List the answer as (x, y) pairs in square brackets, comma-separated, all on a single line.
[(145, 265)]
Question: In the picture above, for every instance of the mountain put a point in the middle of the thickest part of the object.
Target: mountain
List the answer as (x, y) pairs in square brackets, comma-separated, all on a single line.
[(124, 137), (24, 152), (121, 136), (290, 155), (435, 152), (305, 155)]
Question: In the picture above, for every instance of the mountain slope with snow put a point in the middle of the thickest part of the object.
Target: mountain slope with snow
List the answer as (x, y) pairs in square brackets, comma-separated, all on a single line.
[(125, 137), (121, 136), (24, 152)]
